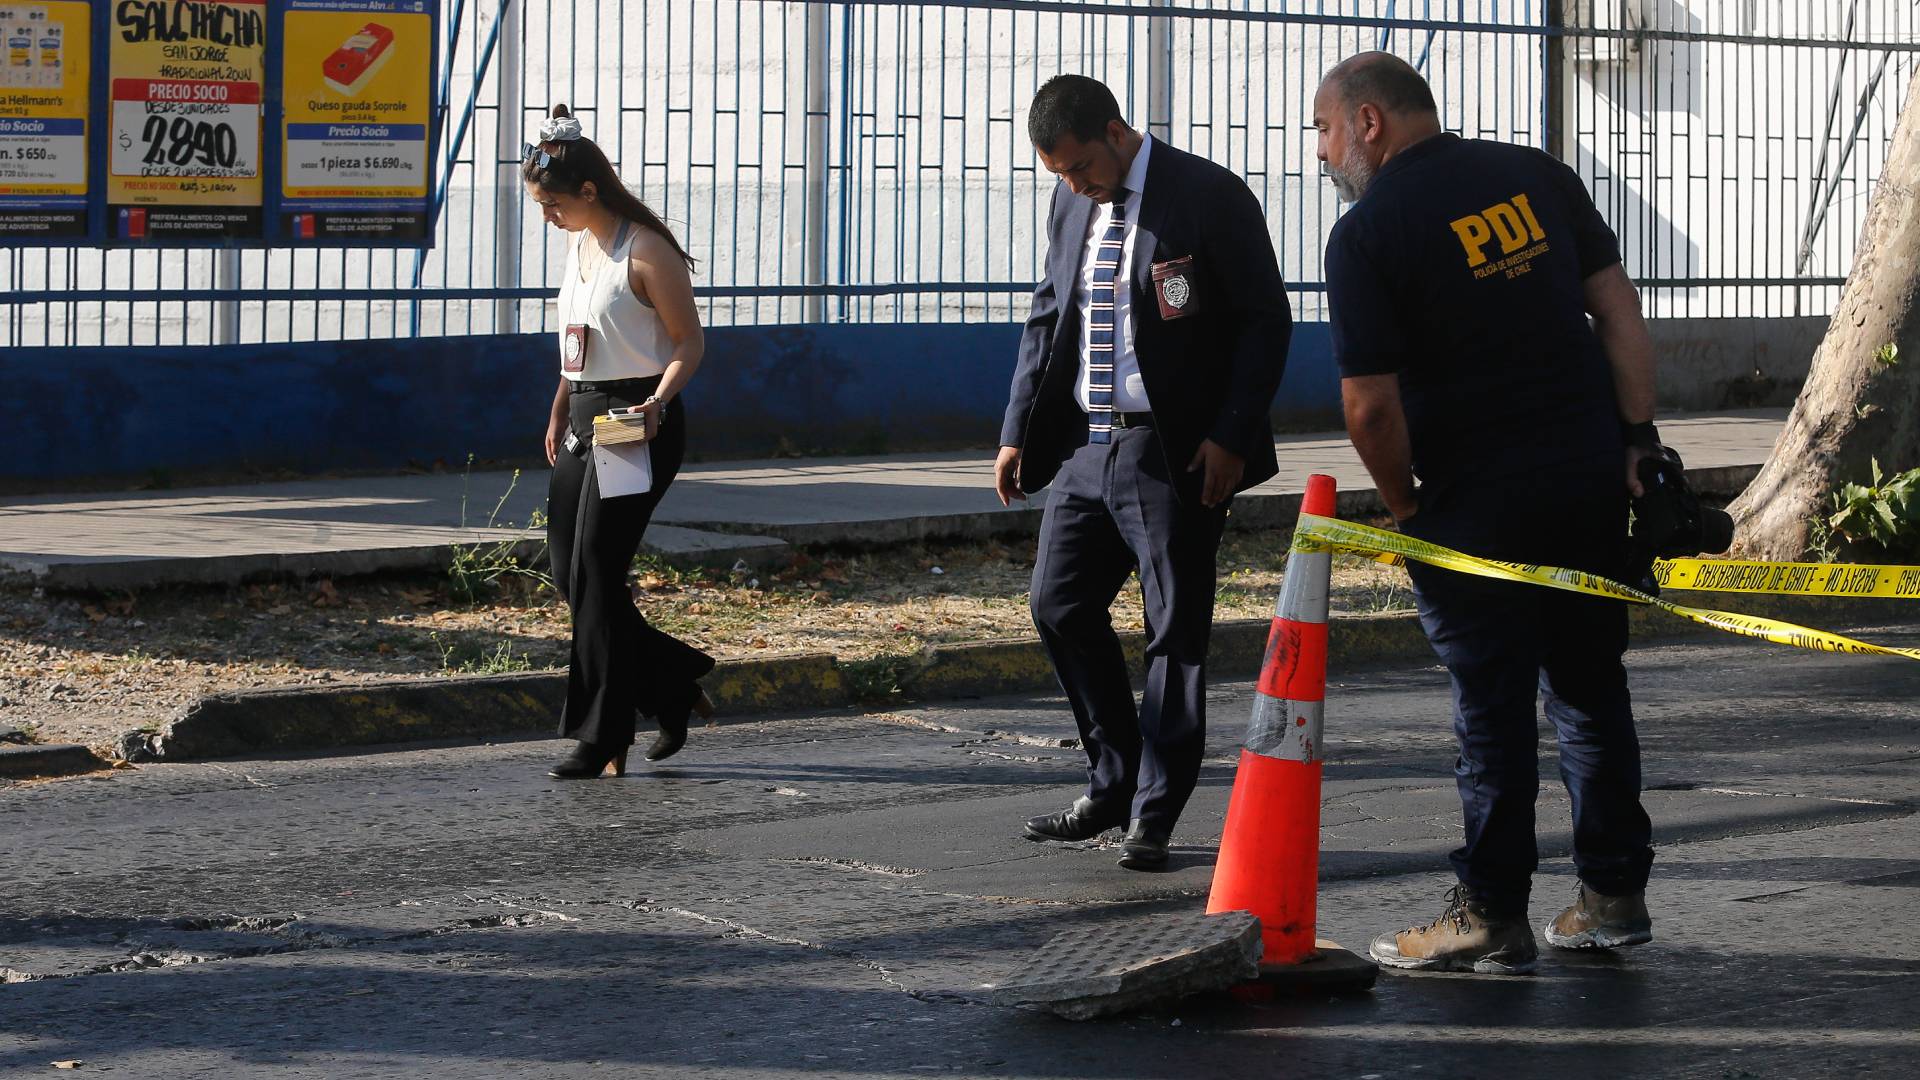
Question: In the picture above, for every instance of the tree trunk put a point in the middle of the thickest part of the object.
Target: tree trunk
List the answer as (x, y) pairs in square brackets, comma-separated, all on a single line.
[(1855, 407)]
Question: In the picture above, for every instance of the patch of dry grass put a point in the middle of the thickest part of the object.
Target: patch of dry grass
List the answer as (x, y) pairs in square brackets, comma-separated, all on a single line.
[(85, 668)]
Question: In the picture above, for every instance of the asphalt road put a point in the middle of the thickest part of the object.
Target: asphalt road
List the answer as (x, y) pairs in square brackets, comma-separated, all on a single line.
[(826, 896)]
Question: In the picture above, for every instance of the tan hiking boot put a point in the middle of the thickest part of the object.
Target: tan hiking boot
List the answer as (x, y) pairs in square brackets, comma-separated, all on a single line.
[(1464, 938), (1594, 921)]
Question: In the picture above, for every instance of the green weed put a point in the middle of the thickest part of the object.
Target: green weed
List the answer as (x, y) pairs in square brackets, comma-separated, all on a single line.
[(478, 570)]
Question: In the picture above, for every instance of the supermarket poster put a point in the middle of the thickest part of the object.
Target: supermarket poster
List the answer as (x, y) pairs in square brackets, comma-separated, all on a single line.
[(184, 120), (356, 94), (44, 88)]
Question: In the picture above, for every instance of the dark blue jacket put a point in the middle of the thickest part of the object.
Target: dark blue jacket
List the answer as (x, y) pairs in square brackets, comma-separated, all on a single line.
[(1211, 374)]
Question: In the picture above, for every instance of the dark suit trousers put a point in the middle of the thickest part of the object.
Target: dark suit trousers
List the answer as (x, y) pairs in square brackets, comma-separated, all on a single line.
[(1111, 510), (619, 665)]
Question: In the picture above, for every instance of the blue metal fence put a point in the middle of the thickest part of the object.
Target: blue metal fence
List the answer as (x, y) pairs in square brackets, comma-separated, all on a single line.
[(866, 162)]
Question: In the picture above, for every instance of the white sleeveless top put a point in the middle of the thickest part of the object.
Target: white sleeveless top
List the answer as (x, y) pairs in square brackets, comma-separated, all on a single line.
[(625, 337)]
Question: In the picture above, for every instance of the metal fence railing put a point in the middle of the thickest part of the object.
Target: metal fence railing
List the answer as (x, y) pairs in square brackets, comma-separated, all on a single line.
[(867, 161)]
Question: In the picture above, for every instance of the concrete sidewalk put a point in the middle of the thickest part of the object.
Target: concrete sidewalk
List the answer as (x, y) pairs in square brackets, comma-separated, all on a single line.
[(719, 512)]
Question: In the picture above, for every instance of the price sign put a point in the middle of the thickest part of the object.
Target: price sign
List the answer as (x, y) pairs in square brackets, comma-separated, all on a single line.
[(44, 85), (356, 87), (174, 128), (356, 159), (50, 152), (168, 102), (183, 154)]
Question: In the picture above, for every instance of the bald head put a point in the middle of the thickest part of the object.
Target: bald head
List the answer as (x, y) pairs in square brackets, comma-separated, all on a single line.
[(1384, 81)]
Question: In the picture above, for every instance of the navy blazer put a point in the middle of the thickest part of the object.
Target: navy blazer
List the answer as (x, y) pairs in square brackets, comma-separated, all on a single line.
[(1211, 374)]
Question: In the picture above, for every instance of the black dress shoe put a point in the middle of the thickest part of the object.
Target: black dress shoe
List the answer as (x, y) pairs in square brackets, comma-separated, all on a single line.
[(1145, 847), (1084, 820)]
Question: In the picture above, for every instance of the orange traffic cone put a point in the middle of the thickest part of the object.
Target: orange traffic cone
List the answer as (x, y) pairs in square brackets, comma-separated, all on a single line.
[(1269, 860)]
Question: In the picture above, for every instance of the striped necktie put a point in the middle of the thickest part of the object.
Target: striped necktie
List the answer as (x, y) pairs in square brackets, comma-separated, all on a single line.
[(1100, 328)]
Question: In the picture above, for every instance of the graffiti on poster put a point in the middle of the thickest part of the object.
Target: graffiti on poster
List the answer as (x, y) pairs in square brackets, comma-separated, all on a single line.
[(185, 119)]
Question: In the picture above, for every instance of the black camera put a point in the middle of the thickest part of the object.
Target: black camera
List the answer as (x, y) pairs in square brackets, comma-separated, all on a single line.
[(1668, 521)]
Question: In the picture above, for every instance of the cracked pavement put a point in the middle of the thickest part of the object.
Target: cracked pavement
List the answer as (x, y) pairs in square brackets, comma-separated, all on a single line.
[(828, 895)]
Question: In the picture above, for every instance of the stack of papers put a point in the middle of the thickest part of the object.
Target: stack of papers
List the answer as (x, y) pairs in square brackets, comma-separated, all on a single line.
[(615, 429), (622, 459)]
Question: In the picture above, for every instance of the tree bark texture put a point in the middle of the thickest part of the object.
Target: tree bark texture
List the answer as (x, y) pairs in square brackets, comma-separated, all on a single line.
[(1853, 408)]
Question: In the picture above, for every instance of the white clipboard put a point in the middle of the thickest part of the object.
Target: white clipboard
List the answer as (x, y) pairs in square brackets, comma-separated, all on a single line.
[(625, 469)]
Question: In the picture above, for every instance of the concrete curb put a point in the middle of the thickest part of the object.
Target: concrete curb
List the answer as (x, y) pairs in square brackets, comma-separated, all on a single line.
[(255, 722), (53, 759), (252, 722), (484, 706), (675, 545), (1722, 481), (1250, 511), (877, 533)]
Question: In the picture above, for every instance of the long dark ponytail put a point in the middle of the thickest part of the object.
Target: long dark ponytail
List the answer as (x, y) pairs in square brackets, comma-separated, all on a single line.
[(575, 162)]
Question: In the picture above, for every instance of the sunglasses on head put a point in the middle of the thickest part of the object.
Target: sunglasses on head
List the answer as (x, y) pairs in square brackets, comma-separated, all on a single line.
[(531, 153)]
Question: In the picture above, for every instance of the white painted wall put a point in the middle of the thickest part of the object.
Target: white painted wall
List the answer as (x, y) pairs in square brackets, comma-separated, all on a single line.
[(1708, 157)]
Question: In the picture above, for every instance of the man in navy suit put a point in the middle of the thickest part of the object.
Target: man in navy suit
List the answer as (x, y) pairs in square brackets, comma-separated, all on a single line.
[(1146, 373)]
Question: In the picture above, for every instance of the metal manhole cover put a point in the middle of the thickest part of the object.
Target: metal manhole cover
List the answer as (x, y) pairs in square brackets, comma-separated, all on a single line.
[(1100, 970)]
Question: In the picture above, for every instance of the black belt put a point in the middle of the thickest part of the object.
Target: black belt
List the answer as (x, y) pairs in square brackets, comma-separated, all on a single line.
[(624, 387), (1132, 419)]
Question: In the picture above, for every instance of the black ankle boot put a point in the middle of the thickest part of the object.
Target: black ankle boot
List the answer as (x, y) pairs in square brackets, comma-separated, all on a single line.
[(588, 761), (673, 722)]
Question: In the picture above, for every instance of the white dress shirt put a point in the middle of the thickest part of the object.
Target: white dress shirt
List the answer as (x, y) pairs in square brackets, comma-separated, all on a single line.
[(1129, 394)]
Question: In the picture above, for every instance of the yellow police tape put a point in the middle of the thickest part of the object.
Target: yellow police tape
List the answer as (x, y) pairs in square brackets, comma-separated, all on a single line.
[(1315, 533), (1862, 580), (1790, 579)]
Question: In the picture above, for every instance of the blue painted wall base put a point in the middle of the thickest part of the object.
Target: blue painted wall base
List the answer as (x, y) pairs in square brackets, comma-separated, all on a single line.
[(91, 413)]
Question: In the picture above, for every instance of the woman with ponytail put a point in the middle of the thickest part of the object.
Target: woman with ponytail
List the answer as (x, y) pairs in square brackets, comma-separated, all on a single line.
[(630, 342)]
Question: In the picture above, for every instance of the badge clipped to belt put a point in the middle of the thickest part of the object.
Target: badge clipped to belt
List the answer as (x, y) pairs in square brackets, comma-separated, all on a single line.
[(573, 348), (1173, 286)]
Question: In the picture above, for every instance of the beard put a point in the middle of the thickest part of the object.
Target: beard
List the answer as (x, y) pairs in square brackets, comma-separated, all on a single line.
[(1352, 176)]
